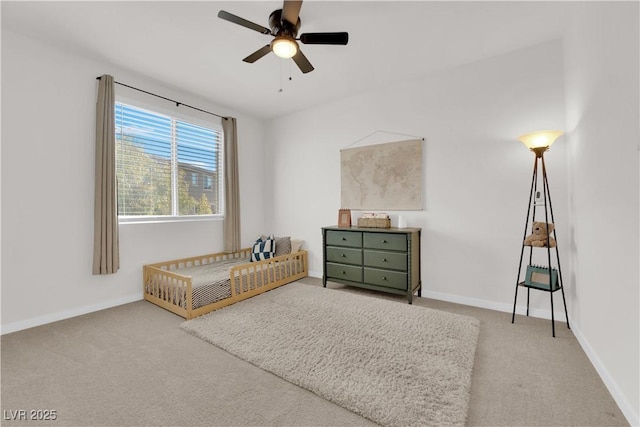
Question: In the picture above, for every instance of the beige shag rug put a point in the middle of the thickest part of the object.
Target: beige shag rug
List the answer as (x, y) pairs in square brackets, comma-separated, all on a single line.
[(393, 363)]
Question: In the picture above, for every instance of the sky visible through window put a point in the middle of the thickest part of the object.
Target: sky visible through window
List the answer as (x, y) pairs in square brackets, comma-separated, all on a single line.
[(153, 133)]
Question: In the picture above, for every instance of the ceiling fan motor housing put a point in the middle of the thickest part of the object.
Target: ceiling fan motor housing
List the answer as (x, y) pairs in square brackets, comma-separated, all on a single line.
[(281, 27)]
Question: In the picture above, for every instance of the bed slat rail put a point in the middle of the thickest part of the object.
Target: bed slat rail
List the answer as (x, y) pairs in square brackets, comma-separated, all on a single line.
[(167, 289), (201, 260), (254, 278), (174, 292)]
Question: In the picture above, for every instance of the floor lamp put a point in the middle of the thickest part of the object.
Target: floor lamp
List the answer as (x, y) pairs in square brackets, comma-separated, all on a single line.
[(543, 278)]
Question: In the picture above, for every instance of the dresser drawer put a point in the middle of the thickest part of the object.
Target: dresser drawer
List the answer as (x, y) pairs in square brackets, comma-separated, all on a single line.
[(386, 278), (390, 260), (344, 238), (393, 242), (345, 272), (344, 255)]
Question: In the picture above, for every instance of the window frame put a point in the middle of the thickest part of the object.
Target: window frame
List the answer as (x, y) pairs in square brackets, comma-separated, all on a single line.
[(191, 117)]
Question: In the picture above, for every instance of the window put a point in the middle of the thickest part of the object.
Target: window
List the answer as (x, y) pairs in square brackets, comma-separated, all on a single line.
[(208, 183), (158, 161)]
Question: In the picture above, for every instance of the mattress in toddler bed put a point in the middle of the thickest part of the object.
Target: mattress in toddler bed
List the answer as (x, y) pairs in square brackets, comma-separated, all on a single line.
[(210, 282)]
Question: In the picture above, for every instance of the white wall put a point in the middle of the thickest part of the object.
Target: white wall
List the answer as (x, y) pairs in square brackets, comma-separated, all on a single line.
[(477, 175), (601, 61), (48, 138), (476, 181)]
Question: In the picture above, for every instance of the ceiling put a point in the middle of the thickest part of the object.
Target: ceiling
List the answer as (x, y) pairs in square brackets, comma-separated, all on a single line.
[(185, 45)]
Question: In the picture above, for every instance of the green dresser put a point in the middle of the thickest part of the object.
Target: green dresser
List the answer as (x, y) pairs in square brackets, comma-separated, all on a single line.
[(383, 259)]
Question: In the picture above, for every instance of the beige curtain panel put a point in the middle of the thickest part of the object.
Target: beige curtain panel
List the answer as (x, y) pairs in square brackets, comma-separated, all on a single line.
[(231, 187), (106, 256)]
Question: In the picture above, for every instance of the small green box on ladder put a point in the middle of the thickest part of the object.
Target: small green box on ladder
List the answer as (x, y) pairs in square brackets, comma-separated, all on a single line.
[(538, 277)]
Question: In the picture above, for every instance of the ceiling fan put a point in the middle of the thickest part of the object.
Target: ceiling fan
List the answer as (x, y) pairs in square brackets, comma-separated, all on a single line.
[(285, 24)]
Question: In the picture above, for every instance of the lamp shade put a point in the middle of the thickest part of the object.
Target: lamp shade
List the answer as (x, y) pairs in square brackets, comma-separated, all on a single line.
[(284, 47), (541, 139)]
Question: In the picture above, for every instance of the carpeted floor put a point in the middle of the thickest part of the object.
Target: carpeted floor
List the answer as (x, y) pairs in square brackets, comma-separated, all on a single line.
[(132, 365), (395, 364)]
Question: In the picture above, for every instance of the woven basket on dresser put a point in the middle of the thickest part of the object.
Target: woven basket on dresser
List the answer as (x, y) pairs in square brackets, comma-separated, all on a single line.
[(374, 222)]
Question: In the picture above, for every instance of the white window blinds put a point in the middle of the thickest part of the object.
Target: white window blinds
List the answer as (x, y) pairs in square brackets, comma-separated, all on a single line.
[(166, 166)]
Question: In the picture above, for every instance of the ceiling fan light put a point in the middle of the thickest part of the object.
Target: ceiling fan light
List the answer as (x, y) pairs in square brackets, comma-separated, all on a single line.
[(284, 47)]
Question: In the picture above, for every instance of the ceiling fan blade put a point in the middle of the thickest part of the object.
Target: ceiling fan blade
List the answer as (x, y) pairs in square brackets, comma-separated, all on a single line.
[(241, 21), (291, 11), (257, 54), (325, 38), (302, 62)]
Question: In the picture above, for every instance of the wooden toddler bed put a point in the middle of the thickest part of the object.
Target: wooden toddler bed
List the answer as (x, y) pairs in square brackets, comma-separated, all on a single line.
[(191, 287)]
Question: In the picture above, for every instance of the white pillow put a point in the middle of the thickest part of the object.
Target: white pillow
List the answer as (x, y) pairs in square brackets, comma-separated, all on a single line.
[(296, 244)]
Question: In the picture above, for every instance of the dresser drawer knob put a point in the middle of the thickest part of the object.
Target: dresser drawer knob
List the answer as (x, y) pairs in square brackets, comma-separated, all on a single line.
[(343, 256), (384, 277), (344, 238), (344, 272), (384, 260), (384, 241)]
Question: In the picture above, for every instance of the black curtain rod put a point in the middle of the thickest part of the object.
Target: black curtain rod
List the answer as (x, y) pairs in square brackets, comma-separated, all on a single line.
[(178, 103)]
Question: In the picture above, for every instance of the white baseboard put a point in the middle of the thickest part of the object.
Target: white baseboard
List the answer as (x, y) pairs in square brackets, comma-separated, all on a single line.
[(316, 274), (54, 317), (475, 302), (492, 305), (625, 406)]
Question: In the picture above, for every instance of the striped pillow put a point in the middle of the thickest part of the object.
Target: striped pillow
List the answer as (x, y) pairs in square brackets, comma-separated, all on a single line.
[(263, 249)]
